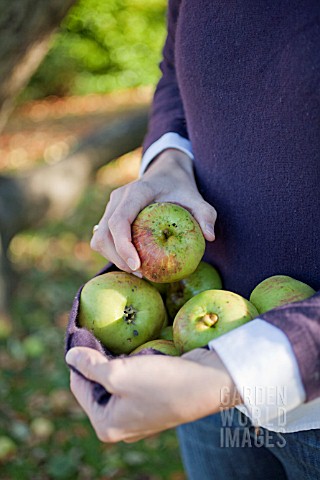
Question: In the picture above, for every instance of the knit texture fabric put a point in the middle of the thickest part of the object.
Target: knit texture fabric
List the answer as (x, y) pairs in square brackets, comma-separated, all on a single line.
[(241, 81)]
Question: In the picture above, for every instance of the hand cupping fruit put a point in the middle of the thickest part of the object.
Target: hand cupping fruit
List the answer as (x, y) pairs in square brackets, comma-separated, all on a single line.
[(169, 242), (128, 314)]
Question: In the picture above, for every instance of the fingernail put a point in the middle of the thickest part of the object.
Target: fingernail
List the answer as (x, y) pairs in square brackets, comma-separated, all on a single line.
[(210, 230), (137, 274), (132, 264)]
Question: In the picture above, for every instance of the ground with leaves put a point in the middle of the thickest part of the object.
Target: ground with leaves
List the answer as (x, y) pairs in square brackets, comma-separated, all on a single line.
[(43, 432)]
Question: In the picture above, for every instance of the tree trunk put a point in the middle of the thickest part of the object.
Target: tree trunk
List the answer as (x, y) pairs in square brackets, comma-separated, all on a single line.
[(54, 190), (26, 27)]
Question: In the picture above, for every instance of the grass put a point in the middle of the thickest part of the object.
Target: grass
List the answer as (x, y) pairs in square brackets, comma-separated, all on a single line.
[(43, 433)]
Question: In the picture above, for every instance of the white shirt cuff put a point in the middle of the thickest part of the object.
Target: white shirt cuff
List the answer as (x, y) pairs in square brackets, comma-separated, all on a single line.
[(260, 359), (168, 140)]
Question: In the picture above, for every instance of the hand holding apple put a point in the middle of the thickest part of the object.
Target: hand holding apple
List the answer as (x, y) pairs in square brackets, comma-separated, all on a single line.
[(169, 242), (170, 178)]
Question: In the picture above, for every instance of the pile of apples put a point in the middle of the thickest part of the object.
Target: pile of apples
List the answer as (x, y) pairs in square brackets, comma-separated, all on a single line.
[(180, 304)]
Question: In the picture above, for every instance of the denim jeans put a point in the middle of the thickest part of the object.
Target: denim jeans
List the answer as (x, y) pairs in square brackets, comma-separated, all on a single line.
[(227, 447)]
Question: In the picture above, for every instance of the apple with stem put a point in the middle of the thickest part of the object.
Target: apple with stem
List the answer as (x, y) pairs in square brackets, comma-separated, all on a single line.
[(169, 242), (207, 316), (121, 310)]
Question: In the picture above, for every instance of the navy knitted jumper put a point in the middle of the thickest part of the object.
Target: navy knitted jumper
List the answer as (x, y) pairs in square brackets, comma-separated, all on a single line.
[(241, 80)]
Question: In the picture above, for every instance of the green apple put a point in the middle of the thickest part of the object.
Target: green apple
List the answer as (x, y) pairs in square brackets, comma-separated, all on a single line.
[(209, 315), (161, 287), (166, 319), (166, 333), (169, 242), (279, 290), (121, 310), (205, 277), (163, 346)]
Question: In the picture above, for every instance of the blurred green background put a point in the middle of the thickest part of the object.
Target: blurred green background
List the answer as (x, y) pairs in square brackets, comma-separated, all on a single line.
[(103, 46), (103, 58)]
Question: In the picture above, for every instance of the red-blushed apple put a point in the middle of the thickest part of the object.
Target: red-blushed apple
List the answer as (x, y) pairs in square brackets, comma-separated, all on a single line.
[(121, 310), (279, 290), (205, 277), (163, 346), (169, 242), (209, 315)]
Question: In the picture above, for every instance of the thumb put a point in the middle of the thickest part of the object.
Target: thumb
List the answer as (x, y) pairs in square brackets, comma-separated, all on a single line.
[(206, 216), (90, 363)]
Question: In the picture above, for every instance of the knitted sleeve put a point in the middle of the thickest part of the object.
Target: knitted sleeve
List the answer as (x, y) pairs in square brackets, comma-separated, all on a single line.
[(300, 321), (167, 114)]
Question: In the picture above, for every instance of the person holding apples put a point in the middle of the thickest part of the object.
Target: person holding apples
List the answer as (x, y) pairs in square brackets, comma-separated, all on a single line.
[(234, 137)]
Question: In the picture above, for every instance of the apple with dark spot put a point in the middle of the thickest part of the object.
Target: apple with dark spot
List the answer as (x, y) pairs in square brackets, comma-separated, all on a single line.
[(169, 242), (121, 310), (207, 316)]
